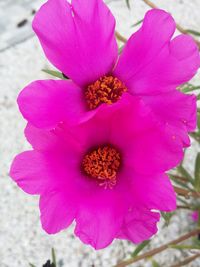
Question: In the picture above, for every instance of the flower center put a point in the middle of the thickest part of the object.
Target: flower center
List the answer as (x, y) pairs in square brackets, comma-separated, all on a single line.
[(107, 89), (102, 164)]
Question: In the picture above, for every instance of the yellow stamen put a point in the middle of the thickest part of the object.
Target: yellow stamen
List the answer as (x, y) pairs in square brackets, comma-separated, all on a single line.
[(102, 164), (107, 89)]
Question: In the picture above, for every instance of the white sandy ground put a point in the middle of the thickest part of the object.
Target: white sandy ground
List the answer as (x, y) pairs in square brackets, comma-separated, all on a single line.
[(21, 59)]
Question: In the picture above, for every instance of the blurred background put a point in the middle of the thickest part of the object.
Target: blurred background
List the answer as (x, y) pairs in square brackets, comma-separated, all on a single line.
[(22, 240)]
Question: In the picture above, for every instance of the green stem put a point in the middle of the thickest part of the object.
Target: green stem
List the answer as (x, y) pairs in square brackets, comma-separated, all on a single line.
[(159, 249)]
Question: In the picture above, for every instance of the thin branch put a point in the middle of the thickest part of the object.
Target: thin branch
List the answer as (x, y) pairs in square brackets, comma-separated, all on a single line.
[(184, 207), (180, 178), (159, 249), (120, 37), (179, 28), (24, 39), (186, 193), (187, 260)]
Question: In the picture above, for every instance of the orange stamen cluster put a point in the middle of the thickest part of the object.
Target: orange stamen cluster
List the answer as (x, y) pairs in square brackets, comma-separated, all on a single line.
[(102, 164), (107, 89)]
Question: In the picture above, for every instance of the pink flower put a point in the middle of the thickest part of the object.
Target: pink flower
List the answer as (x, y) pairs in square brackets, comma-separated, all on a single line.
[(195, 216), (79, 40), (107, 174)]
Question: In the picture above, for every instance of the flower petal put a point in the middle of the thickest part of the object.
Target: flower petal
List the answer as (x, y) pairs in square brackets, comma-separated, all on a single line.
[(150, 63), (95, 230), (78, 38), (195, 216), (40, 173), (46, 103), (100, 217), (59, 146), (57, 211), (139, 225), (144, 45), (176, 109), (158, 150), (29, 170), (146, 144), (154, 192)]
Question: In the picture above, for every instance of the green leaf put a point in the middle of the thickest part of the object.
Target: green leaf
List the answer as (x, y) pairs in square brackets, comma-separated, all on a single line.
[(140, 247), (183, 201), (185, 174), (128, 4), (54, 73), (181, 183), (53, 255), (198, 97), (198, 217), (137, 23), (155, 263), (181, 247), (188, 87), (167, 217), (196, 136), (197, 173), (120, 49), (192, 206), (31, 265), (198, 121), (193, 32)]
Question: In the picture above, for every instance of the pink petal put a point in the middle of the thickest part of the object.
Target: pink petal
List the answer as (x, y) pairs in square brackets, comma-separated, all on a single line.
[(139, 225), (158, 150), (39, 171), (153, 191), (59, 145), (53, 176), (133, 119), (95, 230), (146, 144), (46, 103), (100, 217), (144, 45), (57, 211), (176, 109), (96, 130), (151, 63), (195, 216), (78, 38), (29, 171), (43, 140)]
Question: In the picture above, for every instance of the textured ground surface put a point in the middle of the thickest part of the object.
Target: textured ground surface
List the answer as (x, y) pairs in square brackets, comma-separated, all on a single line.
[(21, 60)]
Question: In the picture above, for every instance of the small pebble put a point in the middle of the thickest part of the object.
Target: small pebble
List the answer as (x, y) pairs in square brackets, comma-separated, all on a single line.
[(33, 12), (22, 23)]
